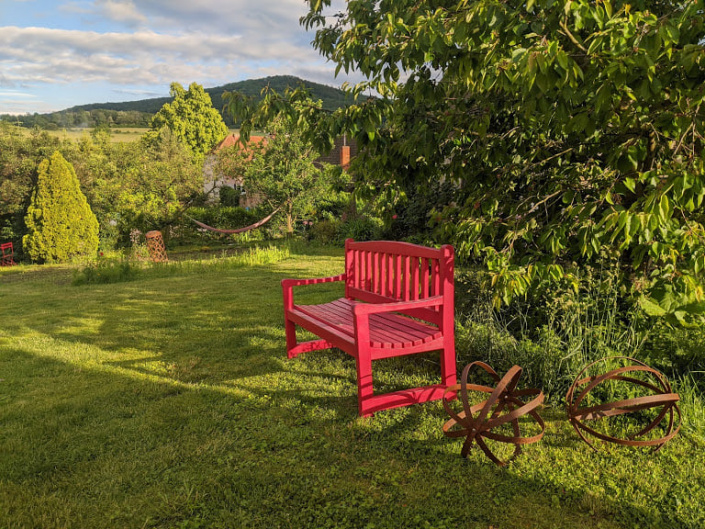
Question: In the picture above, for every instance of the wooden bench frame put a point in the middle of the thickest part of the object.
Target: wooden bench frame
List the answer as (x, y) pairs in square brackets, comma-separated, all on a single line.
[(399, 300)]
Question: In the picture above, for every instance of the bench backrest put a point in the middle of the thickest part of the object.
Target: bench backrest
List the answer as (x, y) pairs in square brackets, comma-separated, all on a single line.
[(389, 271)]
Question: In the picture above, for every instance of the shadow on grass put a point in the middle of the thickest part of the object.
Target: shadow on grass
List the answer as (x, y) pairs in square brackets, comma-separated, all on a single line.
[(159, 455), (171, 403)]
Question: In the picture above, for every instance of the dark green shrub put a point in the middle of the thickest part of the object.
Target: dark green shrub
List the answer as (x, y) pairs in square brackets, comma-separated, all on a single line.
[(324, 231), (224, 216), (360, 229), (412, 217), (229, 197), (551, 338), (218, 217), (60, 223), (678, 352)]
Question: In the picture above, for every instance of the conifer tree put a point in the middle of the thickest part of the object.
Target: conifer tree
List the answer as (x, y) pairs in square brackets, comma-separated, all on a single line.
[(60, 223)]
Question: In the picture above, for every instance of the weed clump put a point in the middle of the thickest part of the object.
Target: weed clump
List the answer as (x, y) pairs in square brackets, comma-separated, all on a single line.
[(107, 270)]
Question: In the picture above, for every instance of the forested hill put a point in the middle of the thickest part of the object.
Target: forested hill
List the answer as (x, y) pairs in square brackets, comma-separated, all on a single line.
[(332, 97), (138, 113)]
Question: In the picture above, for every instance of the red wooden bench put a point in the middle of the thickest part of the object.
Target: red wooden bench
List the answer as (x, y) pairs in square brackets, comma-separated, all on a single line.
[(6, 254), (399, 300)]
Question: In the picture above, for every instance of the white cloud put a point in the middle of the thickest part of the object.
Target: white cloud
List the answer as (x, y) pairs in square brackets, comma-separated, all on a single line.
[(273, 17), (75, 8), (147, 44), (143, 57), (16, 93), (18, 102), (138, 92), (121, 11)]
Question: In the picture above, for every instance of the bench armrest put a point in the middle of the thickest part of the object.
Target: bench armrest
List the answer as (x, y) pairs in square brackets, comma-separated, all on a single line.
[(289, 284), (376, 308)]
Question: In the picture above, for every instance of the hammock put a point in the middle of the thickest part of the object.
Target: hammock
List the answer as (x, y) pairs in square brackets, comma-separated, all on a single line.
[(238, 230)]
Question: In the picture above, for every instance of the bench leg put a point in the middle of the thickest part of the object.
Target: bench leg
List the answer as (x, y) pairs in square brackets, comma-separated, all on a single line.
[(365, 390), (448, 368), (294, 349), (290, 327)]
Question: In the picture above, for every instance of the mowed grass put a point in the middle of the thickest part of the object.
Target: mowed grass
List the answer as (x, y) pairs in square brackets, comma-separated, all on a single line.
[(169, 402)]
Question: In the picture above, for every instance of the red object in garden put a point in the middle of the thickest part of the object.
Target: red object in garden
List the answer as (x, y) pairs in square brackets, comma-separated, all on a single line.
[(504, 406), (399, 300), (6, 254), (658, 395)]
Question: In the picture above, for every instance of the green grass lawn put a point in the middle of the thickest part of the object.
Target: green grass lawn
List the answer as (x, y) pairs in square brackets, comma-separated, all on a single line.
[(168, 401)]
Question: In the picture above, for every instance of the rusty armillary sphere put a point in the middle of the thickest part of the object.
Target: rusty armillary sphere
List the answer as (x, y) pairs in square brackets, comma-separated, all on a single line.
[(661, 396), (504, 406)]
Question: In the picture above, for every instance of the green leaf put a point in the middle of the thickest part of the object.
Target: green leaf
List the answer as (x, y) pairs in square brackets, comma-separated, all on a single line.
[(664, 208), (651, 307)]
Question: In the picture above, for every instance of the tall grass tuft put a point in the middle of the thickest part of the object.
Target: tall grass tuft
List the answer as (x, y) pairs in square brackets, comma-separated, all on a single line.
[(254, 256), (124, 268), (552, 338), (107, 270), (692, 404)]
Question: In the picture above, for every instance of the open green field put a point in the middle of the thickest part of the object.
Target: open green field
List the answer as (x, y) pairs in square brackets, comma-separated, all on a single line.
[(117, 135), (168, 401)]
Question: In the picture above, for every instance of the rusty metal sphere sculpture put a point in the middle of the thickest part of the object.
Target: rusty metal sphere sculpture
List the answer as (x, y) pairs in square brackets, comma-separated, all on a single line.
[(156, 248), (661, 397), (504, 406)]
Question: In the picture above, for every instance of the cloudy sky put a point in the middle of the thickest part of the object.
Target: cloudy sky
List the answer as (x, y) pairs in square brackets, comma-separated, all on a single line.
[(55, 54)]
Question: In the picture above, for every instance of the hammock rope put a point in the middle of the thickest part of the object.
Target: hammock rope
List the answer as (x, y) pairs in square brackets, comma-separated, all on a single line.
[(238, 230)]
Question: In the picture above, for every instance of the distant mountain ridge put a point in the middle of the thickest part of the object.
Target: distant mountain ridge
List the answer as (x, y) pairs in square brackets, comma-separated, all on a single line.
[(139, 113), (332, 98)]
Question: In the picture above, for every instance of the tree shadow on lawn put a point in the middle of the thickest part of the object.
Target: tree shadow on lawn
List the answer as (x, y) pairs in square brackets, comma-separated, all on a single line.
[(559, 483), (175, 319), (224, 327), (79, 436), (215, 374), (213, 331)]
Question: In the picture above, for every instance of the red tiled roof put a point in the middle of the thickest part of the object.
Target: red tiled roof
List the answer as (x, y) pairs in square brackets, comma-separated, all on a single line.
[(234, 138)]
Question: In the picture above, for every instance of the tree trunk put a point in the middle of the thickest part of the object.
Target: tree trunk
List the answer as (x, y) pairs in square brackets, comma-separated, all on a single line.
[(290, 219)]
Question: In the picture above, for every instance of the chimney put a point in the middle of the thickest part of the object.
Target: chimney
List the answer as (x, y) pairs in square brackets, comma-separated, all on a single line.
[(345, 156)]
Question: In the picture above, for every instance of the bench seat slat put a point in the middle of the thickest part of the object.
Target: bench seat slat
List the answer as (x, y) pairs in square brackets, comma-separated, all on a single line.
[(341, 312), (387, 330)]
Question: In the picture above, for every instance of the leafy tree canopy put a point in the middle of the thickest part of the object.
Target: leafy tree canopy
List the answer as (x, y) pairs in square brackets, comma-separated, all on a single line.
[(572, 130), (20, 155), (157, 184), (281, 171), (191, 118)]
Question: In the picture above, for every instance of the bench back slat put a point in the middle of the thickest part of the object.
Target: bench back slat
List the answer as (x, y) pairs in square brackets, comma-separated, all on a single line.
[(389, 271), (414, 278)]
